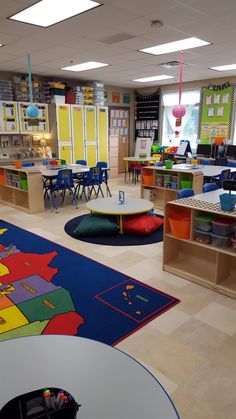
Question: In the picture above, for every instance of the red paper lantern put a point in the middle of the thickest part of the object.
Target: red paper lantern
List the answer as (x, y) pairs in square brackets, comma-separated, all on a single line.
[(179, 111)]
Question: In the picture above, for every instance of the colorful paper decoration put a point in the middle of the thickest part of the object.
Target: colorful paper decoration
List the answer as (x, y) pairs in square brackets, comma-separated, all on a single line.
[(32, 110), (179, 110)]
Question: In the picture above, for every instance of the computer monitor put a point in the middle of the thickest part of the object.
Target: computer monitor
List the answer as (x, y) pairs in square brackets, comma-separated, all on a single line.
[(231, 151), (203, 150)]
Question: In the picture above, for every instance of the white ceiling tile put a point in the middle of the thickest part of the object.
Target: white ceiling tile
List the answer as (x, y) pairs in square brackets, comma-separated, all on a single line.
[(155, 7)]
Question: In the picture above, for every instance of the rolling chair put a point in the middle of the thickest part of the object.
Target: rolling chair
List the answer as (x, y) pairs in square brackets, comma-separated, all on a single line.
[(185, 193)]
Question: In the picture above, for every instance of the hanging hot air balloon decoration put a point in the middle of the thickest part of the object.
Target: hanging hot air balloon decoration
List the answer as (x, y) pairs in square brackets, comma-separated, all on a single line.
[(32, 110), (179, 110)]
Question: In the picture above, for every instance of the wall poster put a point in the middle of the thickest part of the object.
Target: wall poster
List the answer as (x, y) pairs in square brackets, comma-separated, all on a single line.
[(216, 112)]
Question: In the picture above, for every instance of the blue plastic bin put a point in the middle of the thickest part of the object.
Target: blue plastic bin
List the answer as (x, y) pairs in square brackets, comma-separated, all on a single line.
[(227, 201)]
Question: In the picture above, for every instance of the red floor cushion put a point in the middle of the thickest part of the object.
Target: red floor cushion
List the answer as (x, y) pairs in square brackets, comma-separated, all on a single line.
[(142, 224)]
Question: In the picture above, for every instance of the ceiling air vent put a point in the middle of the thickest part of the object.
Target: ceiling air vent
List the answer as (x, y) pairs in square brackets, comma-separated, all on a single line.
[(119, 37), (171, 64)]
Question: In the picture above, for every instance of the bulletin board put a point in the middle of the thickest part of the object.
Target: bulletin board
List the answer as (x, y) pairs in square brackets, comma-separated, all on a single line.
[(216, 112)]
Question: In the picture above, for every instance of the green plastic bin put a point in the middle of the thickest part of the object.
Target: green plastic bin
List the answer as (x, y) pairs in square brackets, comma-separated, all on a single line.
[(186, 184), (24, 184)]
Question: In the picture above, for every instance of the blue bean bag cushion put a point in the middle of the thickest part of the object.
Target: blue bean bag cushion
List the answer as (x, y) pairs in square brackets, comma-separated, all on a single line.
[(96, 225)]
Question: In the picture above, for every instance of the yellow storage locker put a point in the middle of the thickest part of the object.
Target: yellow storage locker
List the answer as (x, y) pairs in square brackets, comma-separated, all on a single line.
[(102, 130), (78, 141), (90, 135)]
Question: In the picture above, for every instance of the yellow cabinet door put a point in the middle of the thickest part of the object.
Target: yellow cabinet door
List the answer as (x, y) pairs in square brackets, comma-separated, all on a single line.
[(90, 135), (9, 117), (102, 130), (78, 140), (65, 153), (39, 125), (63, 123)]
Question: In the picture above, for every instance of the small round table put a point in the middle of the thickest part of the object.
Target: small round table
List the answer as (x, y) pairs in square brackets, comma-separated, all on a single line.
[(112, 206)]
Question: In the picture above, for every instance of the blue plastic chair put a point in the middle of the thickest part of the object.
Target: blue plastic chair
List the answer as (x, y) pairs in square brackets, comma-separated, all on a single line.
[(83, 162), (231, 164), (104, 165), (64, 182), (27, 164), (185, 193), (207, 187), (91, 179), (225, 174), (206, 162), (221, 161)]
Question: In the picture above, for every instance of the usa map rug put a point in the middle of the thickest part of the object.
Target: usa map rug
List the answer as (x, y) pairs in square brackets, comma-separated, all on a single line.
[(46, 288)]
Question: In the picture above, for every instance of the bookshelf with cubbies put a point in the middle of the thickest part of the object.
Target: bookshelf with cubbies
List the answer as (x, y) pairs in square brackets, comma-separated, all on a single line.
[(22, 189), (208, 263), (161, 185)]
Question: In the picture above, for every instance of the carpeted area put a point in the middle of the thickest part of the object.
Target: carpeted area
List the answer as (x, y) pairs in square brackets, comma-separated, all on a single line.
[(114, 239), (49, 289)]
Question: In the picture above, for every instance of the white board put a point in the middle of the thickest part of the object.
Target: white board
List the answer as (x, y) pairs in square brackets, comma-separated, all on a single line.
[(143, 146)]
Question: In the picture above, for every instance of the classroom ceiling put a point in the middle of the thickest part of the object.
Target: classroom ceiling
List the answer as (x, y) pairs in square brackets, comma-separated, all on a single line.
[(113, 34)]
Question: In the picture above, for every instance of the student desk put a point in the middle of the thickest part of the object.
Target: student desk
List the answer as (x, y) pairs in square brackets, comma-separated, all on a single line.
[(108, 383), (208, 171)]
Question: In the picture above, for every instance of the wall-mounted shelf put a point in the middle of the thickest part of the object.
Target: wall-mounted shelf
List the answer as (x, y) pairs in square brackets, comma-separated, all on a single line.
[(205, 264), (22, 189)]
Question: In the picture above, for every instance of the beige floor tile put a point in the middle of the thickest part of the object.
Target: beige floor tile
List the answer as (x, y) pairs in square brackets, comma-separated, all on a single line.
[(168, 385), (43, 233), (218, 316), (168, 322)]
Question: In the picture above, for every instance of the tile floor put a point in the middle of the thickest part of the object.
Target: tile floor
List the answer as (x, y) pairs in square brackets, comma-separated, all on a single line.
[(191, 349)]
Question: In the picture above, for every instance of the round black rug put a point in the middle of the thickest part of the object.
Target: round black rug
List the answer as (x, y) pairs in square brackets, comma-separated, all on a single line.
[(114, 239)]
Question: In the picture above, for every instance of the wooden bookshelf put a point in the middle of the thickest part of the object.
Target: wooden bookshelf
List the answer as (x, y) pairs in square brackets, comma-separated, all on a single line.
[(205, 264), (22, 188), (160, 195)]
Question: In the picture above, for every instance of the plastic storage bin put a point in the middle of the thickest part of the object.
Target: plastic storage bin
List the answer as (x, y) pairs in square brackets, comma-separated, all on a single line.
[(223, 226), (227, 202), (221, 241), (24, 406), (186, 184), (147, 179), (204, 222), (180, 225), (203, 236)]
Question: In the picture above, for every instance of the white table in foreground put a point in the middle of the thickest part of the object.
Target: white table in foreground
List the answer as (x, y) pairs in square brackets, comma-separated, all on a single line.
[(112, 206), (108, 383)]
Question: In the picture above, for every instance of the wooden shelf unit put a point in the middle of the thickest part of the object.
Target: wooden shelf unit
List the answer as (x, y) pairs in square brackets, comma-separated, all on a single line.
[(161, 195), (27, 197), (207, 265)]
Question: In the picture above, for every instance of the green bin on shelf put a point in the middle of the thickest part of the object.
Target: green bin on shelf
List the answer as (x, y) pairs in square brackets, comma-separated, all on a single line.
[(186, 184), (24, 184)]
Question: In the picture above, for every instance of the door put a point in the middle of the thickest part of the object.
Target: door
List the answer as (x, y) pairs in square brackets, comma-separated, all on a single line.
[(90, 135), (119, 126), (102, 132), (78, 141), (64, 132)]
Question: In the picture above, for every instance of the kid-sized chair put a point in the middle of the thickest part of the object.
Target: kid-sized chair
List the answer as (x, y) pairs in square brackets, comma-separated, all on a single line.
[(207, 187), (91, 180), (64, 182), (185, 193)]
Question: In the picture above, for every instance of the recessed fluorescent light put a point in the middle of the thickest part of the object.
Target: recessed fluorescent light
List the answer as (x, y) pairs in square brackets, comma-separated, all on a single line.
[(154, 78), (48, 12), (224, 67), (175, 46), (84, 66)]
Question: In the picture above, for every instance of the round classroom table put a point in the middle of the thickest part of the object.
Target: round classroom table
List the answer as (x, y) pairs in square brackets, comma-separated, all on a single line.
[(112, 206), (104, 380)]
